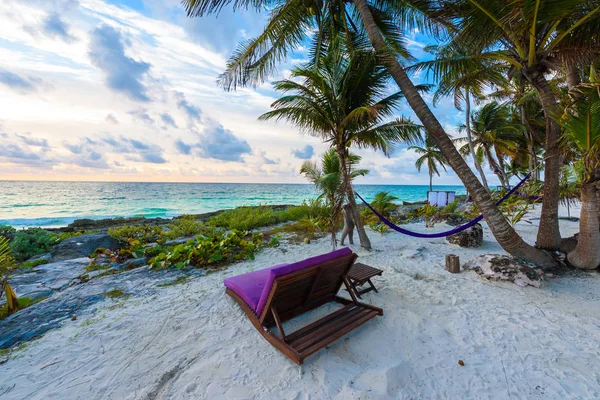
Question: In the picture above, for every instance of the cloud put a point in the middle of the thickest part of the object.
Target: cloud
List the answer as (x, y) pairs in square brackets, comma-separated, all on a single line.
[(183, 147), (136, 150), (221, 144), (265, 160), (142, 115), (85, 154), (193, 113), (21, 84), (31, 141), (14, 149), (122, 73), (112, 119), (304, 154), (155, 158), (168, 120), (53, 26)]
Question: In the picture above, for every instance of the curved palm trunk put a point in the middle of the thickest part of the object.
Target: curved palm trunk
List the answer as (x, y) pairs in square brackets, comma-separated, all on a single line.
[(549, 234), (470, 140), (495, 166), (505, 234), (587, 253), (347, 185)]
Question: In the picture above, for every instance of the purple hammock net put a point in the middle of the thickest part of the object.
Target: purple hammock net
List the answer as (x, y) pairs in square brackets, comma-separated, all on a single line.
[(439, 234)]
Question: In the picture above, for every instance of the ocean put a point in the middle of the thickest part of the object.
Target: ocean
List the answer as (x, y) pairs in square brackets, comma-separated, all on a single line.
[(53, 204)]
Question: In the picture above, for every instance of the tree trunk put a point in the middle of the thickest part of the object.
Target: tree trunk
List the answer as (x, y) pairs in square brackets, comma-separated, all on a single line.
[(430, 180), (532, 159), (505, 234), (495, 166), (470, 140), (347, 185), (587, 253), (548, 233)]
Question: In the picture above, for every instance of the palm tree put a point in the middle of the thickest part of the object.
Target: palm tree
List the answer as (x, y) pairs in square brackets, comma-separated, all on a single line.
[(535, 39), (495, 137), (343, 102), (383, 202), (582, 130), (328, 177), (382, 23), (431, 156)]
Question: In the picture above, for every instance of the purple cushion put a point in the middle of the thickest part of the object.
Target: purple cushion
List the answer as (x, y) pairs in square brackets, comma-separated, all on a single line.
[(250, 286), (281, 270)]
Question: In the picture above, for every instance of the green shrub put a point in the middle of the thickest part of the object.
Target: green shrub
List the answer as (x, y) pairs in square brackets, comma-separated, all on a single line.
[(135, 237), (59, 237), (451, 208), (214, 248), (185, 225), (31, 242), (244, 218), (7, 231), (31, 264)]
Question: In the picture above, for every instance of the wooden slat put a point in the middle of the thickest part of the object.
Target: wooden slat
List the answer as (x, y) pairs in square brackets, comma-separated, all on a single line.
[(302, 331), (338, 334), (324, 331)]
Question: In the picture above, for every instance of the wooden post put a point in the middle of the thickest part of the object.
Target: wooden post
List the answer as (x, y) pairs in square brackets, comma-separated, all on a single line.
[(452, 263)]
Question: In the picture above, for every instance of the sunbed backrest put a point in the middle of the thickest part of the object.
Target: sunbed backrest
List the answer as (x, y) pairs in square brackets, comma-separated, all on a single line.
[(304, 290)]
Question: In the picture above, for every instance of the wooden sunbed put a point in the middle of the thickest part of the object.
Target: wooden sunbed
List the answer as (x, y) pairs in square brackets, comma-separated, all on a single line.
[(308, 284)]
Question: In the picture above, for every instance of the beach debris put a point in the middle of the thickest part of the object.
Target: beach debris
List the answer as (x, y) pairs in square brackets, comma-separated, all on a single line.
[(461, 363), (82, 246), (506, 268), (470, 237)]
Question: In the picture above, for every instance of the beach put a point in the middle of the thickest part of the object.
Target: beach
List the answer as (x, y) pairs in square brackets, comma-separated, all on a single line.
[(191, 341)]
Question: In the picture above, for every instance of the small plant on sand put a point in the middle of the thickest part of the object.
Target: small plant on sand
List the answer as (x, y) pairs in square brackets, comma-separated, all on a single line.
[(182, 226), (428, 211), (514, 209)]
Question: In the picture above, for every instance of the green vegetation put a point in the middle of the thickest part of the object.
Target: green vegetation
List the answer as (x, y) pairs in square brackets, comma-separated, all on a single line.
[(248, 218), (32, 264), (31, 242), (178, 281), (23, 302), (8, 267), (210, 250), (115, 294), (7, 231)]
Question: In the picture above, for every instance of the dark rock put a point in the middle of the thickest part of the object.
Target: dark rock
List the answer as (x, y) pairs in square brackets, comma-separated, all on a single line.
[(59, 308), (506, 268), (136, 262), (174, 242), (53, 276), (45, 256), (567, 245), (470, 237), (82, 246)]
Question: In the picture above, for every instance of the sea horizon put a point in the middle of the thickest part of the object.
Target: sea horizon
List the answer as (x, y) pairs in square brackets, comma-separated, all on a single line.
[(51, 204)]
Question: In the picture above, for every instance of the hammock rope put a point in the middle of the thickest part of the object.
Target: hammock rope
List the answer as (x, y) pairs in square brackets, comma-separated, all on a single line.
[(439, 234)]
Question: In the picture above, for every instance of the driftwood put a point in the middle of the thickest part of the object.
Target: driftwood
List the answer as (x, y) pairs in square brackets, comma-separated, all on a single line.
[(452, 263)]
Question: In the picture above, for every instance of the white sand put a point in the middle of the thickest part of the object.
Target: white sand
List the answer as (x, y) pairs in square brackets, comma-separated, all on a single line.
[(194, 342)]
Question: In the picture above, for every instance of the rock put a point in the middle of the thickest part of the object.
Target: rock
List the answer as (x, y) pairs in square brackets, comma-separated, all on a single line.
[(136, 262), (506, 268), (470, 237), (45, 257), (82, 246), (174, 242), (53, 276), (61, 307), (450, 219)]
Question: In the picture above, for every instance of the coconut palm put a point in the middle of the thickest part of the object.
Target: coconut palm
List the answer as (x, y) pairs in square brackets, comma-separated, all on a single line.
[(344, 103), (536, 39), (328, 177), (495, 138), (292, 22), (383, 202), (431, 157), (582, 130)]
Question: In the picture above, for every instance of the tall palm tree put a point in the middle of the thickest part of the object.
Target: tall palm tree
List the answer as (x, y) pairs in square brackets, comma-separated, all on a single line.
[(432, 157), (383, 24), (495, 137), (344, 102), (582, 130), (536, 39)]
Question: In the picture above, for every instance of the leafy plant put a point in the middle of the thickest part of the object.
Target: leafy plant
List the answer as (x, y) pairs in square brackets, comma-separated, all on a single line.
[(212, 249), (514, 209), (450, 208), (428, 211), (7, 231), (185, 225), (30, 242), (8, 266)]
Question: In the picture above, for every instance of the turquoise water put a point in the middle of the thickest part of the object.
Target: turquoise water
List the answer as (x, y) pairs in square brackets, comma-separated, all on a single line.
[(52, 204)]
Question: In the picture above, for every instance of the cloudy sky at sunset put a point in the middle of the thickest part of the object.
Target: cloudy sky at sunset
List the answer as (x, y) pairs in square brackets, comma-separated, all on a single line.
[(125, 91)]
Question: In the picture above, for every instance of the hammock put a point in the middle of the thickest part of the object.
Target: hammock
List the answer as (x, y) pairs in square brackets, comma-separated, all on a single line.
[(439, 234)]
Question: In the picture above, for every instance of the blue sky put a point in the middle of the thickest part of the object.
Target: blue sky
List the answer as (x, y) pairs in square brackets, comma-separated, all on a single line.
[(125, 90)]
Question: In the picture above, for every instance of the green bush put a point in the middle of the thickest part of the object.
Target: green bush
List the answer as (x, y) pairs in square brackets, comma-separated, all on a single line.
[(214, 248), (31, 242), (244, 218), (135, 237), (7, 231), (185, 225), (451, 208)]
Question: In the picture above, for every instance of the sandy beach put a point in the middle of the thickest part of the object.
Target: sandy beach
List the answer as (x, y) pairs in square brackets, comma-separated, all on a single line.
[(193, 342)]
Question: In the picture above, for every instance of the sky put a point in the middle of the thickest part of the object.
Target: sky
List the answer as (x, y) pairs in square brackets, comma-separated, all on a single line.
[(125, 90)]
